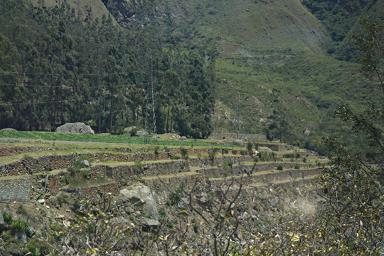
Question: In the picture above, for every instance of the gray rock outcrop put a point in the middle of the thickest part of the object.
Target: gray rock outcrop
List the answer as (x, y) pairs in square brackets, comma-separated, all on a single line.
[(142, 133), (75, 128), (140, 197), (1, 219), (131, 130)]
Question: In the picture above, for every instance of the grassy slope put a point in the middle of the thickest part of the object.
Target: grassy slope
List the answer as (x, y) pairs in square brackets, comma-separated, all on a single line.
[(123, 139), (276, 44)]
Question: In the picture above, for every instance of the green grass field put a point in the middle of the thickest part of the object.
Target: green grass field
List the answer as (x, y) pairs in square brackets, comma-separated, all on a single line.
[(101, 138)]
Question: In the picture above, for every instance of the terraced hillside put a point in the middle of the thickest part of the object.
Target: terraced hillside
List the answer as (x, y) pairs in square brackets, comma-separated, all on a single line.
[(43, 167), (273, 62), (54, 181)]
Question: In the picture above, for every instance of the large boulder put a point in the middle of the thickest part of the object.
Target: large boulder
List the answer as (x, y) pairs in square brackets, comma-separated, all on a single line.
[(150, 224), (141, 198), (8, 130), (142, 133), (75, 128), (131, 130)]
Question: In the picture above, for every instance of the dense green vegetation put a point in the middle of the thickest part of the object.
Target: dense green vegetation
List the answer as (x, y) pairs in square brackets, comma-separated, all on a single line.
[(156, 69), (58, 65), (340, 18)]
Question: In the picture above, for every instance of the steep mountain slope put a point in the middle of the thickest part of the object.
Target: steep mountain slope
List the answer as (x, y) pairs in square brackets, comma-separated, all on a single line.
[(95, 7), (341, 19), (273, 62), (273, 72)]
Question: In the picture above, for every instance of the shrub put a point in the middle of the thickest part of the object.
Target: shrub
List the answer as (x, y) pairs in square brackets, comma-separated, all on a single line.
[(184, 153), (168, 151), (72, 171), (211, 154), (297, 167), (138, 164), (250, 148), (290, 155), (76, 206), (156, 151), (6, 235), (33, 248), (21, 210), (234, 152), (280, 168), (86, 174), (174, 157), (19, 226), (162, 212), (175, 197), (227, 164), (266, 156), (62, 199), (7, 218), (304, 160)]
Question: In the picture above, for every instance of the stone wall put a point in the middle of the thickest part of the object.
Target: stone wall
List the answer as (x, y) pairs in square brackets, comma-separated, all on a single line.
[(29, 165), (15, 190), (201, 162), (124, 173), (249, 169)]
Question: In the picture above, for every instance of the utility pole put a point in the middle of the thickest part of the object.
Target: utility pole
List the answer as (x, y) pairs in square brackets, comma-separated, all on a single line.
[(153, 100), (238, 115)]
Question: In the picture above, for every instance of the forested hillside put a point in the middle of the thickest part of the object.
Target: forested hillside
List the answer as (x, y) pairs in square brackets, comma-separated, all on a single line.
[(341, 18), (274, 74), (62, 64), (272, 67)]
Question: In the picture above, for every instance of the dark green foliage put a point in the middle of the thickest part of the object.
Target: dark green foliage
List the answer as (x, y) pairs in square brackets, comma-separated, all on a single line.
[(211, 155), (339, 17), (266, 156), (250, 148), (280, 168), (156, 151), (184, 153), (175, 197), (227, 164), (19, 226), (57, 66), (37, 248), (353, 185), (7, 218), (278, 126)]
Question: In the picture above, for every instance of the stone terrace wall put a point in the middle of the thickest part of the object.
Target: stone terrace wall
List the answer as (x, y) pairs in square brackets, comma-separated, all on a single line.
[(124, 173), (247, 169), (31, 165), (15, 190), (219, 160)]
